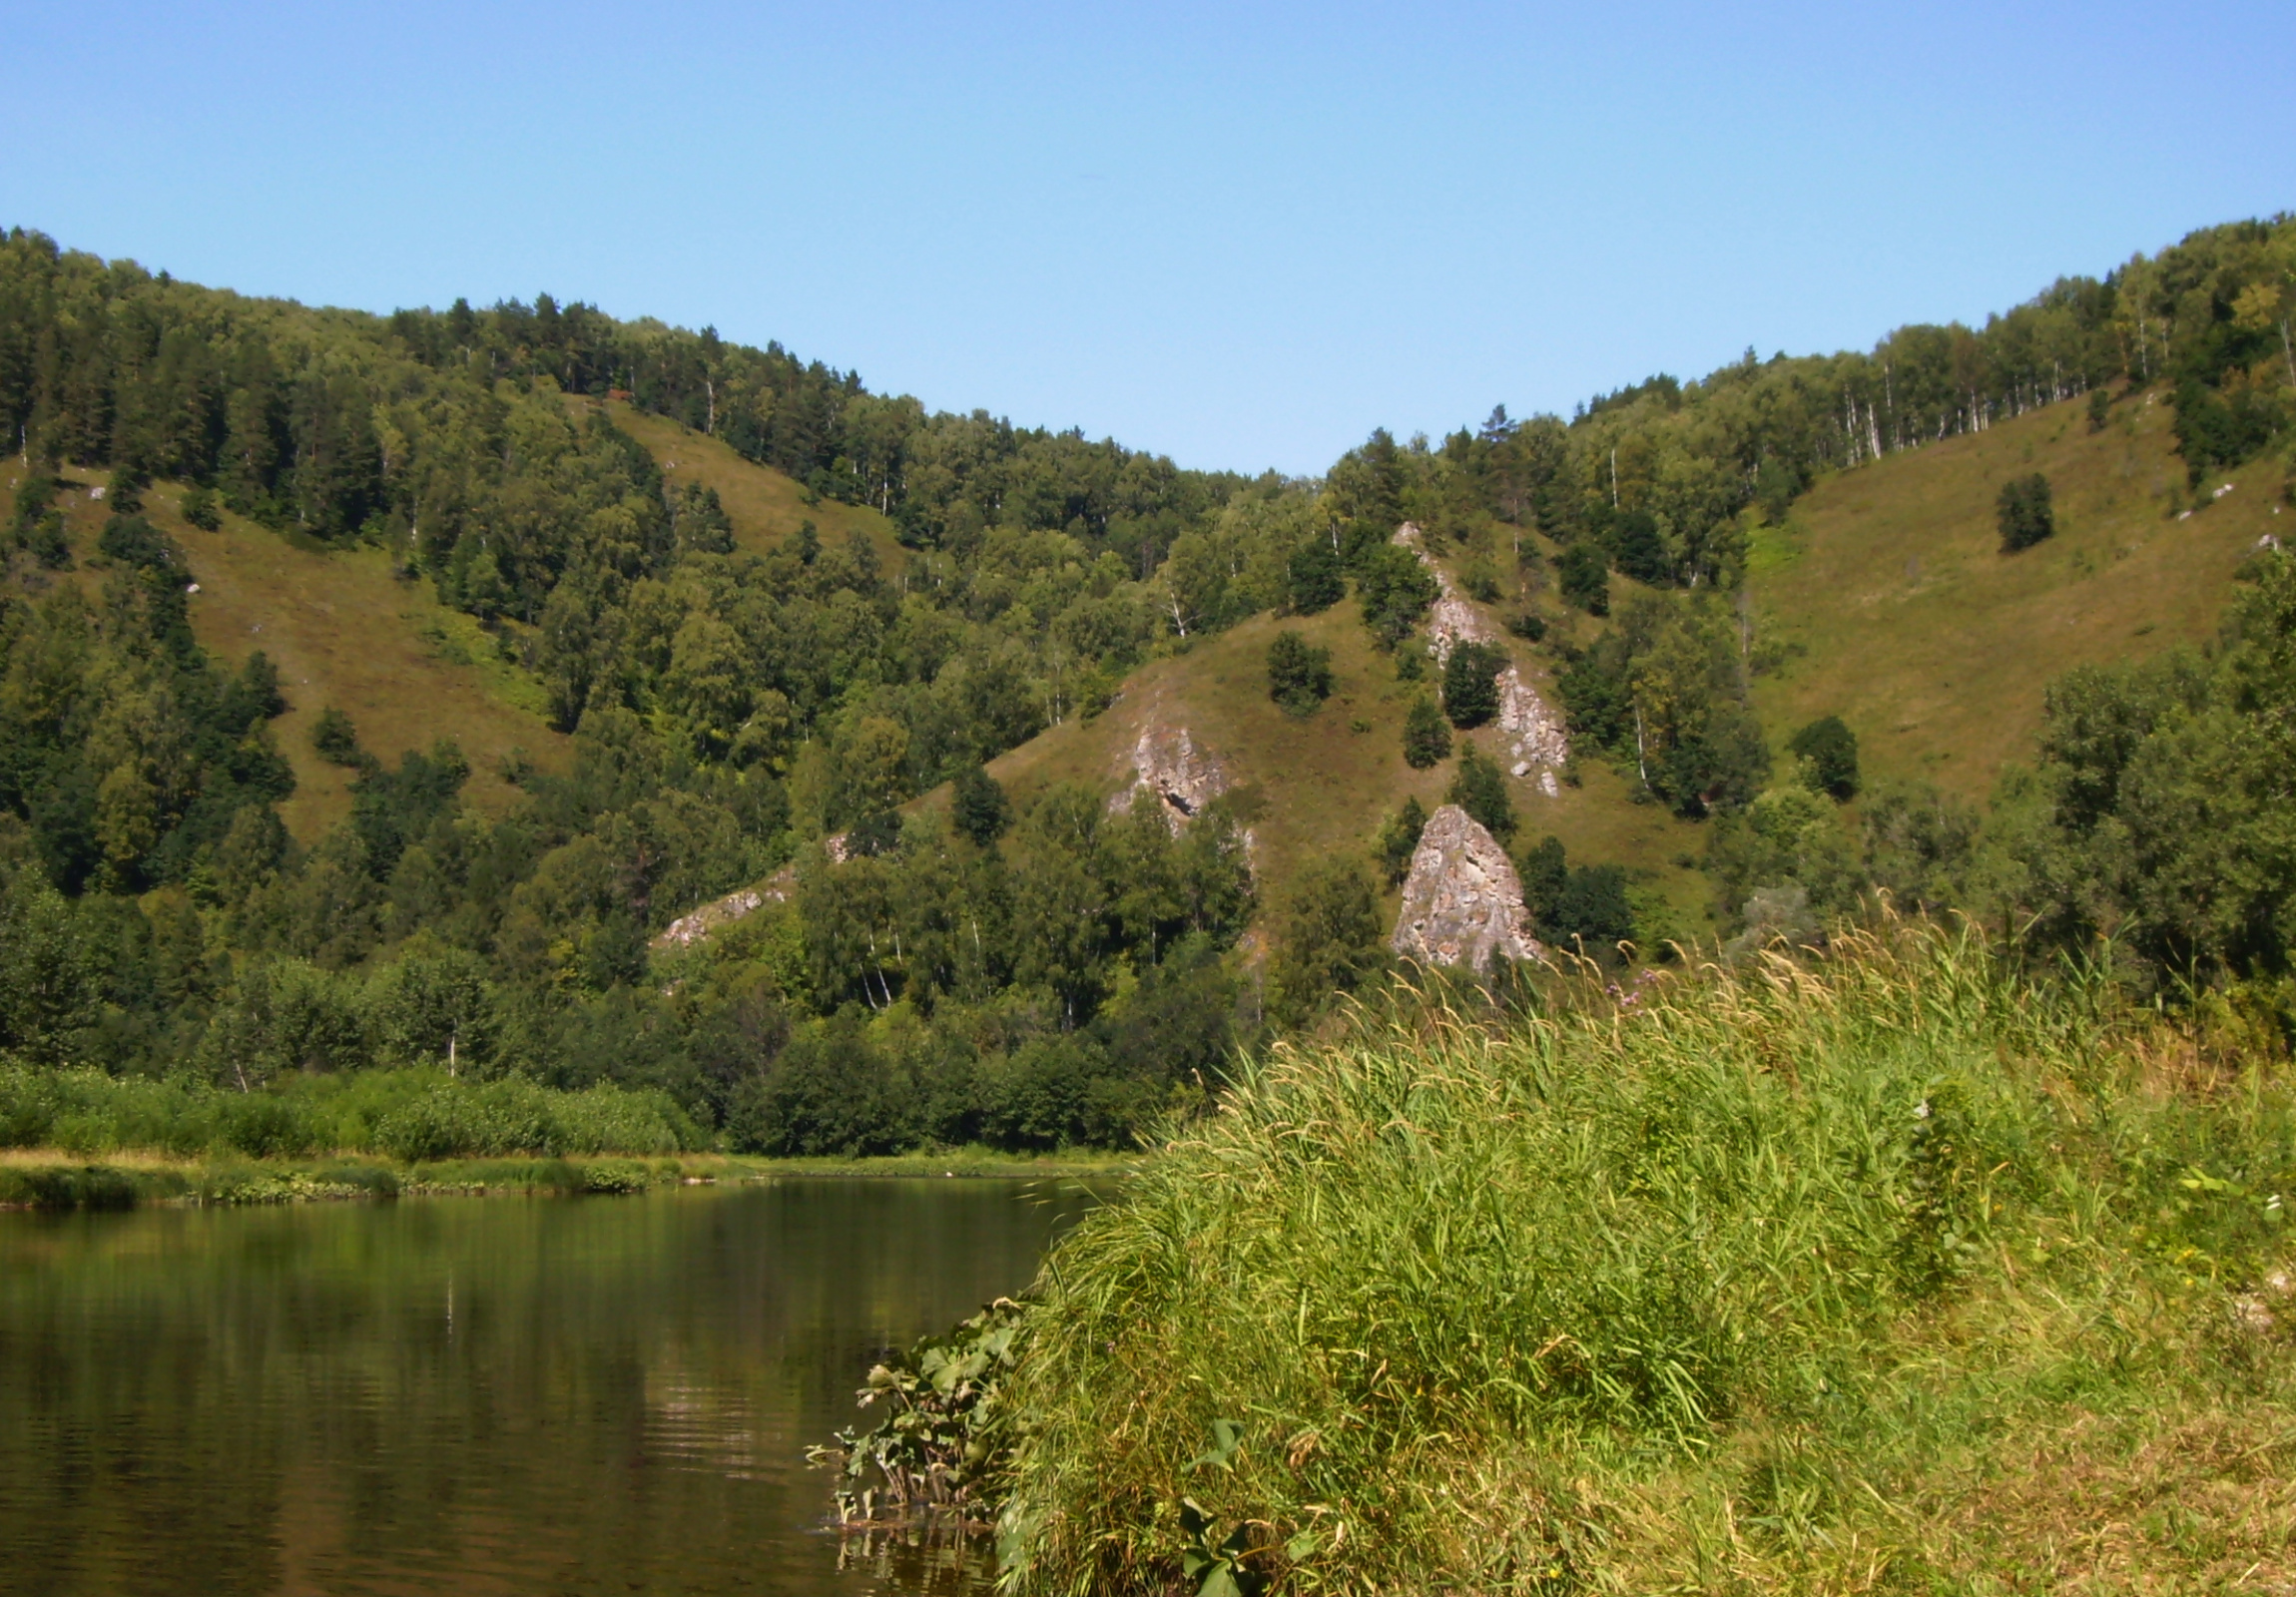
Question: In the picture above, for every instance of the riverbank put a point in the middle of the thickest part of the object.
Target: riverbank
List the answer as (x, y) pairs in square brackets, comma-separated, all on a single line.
[(1891, 1272), (52, 1178)]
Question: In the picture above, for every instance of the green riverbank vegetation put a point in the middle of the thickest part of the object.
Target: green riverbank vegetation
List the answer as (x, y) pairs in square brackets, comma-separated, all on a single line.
[(84, 1139), (49, 1178), (1887, 1270)]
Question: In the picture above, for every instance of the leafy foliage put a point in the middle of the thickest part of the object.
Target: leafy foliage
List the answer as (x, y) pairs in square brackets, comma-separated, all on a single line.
[(1299, 674), (1583, 576), (1427, 734), (1665, 693), (1314, 581), (1395, 589), (979, 808), (1470, 683), (1331, 939), (1479, 786), (2023, 512), (2168, 815), (1831, 748), (944, 1435), (1399, 839)]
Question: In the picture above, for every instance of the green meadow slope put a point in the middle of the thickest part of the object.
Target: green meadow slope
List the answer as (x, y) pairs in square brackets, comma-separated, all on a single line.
[(346, 631), (1323, 785), (765, 505), (1884, 599)]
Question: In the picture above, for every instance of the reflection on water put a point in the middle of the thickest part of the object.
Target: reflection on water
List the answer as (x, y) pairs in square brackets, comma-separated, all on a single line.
[(474, 1395)]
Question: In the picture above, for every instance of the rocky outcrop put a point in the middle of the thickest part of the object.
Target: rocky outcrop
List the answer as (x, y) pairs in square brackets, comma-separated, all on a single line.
[(1167, 762), (699, 925), (1534, 731), (1463, 902), (1454, 620)]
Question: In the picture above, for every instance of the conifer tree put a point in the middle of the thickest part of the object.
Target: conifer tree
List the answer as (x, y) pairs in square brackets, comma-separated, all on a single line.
[(979, 808)]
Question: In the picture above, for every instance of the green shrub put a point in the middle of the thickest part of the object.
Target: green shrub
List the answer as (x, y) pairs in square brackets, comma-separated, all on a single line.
[(1471, 683), (1312, 579), (1399, 839), (1395, 589), (411, 1115), (1427, 735), (2024, 512), (1299, 674), (67, 1187), (1593, 912), (978, 806), (372, 1180), (1831, 749), (616, 1176), (1479, 786), (335, 740), (1582, 576), (1331, 939)]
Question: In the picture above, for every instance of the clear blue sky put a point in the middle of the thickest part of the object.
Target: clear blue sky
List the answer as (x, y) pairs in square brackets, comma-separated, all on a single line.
[(1243, 236)]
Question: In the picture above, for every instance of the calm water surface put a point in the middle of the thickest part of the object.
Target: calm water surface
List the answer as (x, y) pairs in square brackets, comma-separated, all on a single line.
[(473, 1396)]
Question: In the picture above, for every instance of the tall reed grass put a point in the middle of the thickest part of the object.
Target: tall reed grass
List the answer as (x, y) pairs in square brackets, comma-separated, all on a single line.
[(1785, 1279)]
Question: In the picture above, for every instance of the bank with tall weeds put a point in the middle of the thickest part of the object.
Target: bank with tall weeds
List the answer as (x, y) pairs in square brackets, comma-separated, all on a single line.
[(1891, 1270)]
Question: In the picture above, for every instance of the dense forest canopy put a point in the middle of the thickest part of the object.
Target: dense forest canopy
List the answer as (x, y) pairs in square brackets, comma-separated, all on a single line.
[(1064, 972)]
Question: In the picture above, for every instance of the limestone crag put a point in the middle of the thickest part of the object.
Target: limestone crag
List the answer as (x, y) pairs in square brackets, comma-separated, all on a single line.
[(1167, 762), (1454, 620), (1463, 902), (1535, 736), (1533, 730), (700, 925)]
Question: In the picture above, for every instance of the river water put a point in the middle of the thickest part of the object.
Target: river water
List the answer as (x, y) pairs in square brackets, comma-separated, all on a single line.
[(471, 1396)]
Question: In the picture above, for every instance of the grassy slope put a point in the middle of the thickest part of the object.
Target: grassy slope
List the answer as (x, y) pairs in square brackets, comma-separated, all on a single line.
[(345, 631), (1323, 786), (1932, 645), (764, 505)]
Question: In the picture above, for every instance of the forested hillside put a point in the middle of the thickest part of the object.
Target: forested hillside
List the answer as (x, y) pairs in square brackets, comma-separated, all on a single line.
[(520, 632)]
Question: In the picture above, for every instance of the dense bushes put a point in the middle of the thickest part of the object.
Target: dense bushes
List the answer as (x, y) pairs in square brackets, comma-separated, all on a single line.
[(409, 1115), (872, 1082), (1299, 674), (2024, 512)]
